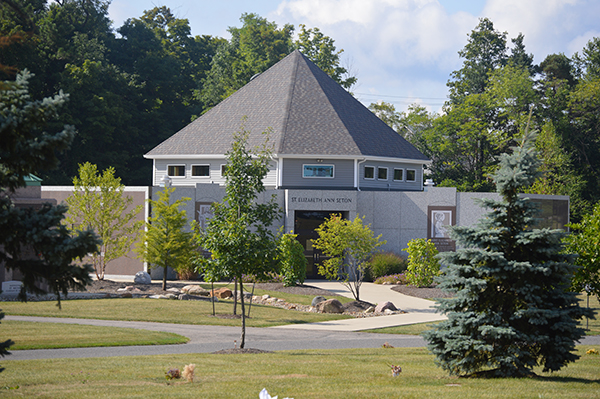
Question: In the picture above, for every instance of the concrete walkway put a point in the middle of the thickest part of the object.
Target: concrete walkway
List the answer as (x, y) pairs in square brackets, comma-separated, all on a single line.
[(418, 310)]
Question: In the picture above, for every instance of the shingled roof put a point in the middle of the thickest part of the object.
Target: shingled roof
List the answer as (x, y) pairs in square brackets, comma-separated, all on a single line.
[(307, 111)]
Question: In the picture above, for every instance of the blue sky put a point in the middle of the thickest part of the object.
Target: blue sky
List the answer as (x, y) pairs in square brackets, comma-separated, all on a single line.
[(402, 51)]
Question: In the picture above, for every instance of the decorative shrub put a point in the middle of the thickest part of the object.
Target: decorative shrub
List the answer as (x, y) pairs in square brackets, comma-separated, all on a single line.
[(271, 278), (423, 265), (385, 264), (391, 279), (292, 262)]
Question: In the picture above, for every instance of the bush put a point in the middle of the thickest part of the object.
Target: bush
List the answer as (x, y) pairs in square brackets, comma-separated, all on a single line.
[(270, 278), (292, 262), (423, 265), (392, 279), (385, 264)]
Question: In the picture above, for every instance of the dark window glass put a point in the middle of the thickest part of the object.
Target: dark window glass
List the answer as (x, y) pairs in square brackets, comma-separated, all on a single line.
[(399, 174), (369, 172), (176, 170), (200, 170)]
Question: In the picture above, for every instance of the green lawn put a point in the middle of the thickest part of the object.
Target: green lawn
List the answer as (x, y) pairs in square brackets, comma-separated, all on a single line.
[(32, 335), (347, 374), (163, 311)]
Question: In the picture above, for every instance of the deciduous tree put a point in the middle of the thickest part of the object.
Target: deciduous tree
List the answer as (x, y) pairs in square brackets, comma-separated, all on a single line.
[(99, 203), (350, 245), (239, 236)]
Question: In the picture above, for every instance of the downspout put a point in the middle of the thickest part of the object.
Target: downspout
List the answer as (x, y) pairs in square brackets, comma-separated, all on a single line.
[(357, 172)]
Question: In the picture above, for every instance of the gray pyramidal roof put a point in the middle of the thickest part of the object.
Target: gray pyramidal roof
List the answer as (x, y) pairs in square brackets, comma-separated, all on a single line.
[(307, 111)]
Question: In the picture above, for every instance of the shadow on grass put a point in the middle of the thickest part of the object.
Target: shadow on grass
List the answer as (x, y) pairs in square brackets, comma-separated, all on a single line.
[(566, 379)]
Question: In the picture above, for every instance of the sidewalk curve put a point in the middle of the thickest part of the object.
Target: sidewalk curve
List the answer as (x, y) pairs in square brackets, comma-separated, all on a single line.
[(418, 310)]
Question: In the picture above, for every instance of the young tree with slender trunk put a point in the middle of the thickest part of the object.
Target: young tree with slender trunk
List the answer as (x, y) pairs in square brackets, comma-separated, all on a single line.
[(166, 243), (99, 203), (239, 235), (349, 244)]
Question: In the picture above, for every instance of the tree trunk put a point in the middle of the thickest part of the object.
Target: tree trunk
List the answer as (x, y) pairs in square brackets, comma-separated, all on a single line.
[(250, 307), (212, 290), (164, 287), (235, 295), (243, 338)]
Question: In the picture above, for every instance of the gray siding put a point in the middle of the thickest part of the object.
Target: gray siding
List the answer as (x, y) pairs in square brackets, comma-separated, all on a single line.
[(343, 174), (160, 170), (390, 184)]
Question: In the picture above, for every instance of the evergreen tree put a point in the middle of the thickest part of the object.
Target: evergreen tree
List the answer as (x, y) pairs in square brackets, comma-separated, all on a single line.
[(512, 309)]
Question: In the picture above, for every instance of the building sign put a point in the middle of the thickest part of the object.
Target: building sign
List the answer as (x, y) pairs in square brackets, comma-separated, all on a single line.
[(319, 200), (203, 213), (439, 218)]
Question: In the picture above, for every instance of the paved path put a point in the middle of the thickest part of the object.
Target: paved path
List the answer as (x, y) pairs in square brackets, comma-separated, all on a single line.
[(206, 339), (418, 310)]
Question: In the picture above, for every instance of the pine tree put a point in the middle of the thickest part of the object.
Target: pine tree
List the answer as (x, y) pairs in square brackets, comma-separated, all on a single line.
[(512, 310)]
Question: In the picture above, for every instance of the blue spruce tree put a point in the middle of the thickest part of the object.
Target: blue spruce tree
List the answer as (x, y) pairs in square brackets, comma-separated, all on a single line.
[(512, 310)]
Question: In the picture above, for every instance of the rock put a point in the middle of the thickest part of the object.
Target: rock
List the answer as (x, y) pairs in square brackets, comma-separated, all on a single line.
[(266, 296), (171, 296), (184, 297), (127, 295), (173, 290), (222, 293), (388, 311), (195, 290), (317, 300), (142, 278), (383, 306), (357, 306), (371, 309), (247, 296), (122, 290), (330, 306), (158, 297)]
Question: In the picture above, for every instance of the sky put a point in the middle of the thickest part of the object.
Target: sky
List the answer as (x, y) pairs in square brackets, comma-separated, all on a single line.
[(401, 51)]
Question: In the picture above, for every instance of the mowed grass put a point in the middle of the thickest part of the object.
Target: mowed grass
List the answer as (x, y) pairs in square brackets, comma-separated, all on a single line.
[(32, 335), (164, 311), (317, 374)]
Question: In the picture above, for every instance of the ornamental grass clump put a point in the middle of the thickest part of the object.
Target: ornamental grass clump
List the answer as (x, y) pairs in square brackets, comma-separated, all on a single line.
[(188, 372)]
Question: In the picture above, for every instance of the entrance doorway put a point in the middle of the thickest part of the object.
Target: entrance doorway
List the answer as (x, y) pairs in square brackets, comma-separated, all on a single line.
[(305, 223)]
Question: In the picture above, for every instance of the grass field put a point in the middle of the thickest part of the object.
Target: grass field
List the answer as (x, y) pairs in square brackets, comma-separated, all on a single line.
[(356, 373), (32, 335), (163, 311)]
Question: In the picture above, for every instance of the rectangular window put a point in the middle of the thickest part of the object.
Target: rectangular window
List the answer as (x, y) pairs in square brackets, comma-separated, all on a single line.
[(369, 172), (318, 171), (398, 174), (223, 169), (176, 170), (382, 173), (200, 170), (411, 175)]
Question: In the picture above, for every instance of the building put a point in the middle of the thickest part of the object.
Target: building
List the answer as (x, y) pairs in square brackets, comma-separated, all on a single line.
[(330, 155)]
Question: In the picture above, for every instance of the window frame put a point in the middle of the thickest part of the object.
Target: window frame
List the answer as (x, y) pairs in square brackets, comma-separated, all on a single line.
[(381, 169), (200, 176), (394, 176), (415, 178), (222, 169), (365, 172), (176, 166), (318, 165)]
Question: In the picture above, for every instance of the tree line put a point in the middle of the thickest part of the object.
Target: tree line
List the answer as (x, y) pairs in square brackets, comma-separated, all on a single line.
[(132, 87), (496, 94)]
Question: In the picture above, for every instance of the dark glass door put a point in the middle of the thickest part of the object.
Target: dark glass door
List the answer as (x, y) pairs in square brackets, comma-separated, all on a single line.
[(304, 226)]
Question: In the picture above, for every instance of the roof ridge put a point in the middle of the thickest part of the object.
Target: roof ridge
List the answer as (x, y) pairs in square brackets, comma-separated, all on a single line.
[(288, 106)]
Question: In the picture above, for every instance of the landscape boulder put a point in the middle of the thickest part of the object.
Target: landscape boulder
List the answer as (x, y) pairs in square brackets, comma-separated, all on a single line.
[(222, 293), (195, 290), (357, 306), (330, 306), (381, 307), (142, 278), (317, 300)]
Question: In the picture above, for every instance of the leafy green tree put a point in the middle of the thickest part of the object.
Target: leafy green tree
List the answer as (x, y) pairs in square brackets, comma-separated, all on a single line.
[(166, 243), (292, 262), (321, 50), (512, 309), (584, 241), (388, 114), (99, 203), (350, 245), (239, 236), (423, 265), (484, 52), (253, 48), (27, 147)]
